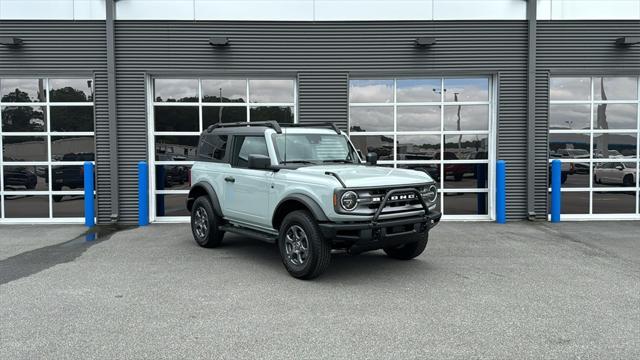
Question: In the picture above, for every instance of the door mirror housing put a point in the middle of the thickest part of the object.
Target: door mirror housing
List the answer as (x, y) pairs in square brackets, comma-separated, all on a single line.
[(372, 158), (259, 162), (619, 167)]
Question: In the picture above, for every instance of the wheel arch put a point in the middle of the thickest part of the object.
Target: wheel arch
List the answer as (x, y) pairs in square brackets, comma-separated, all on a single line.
[(297, 202), (200, 189)]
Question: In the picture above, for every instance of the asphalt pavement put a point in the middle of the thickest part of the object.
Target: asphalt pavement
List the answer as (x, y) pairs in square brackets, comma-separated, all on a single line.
[(480, 291)]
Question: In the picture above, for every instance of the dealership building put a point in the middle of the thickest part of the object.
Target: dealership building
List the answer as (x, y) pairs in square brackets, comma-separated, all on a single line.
[(442, 86)]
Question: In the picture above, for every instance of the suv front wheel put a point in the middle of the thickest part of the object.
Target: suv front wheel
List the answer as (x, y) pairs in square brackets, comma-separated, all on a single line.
[(204, 223), (304, 251)]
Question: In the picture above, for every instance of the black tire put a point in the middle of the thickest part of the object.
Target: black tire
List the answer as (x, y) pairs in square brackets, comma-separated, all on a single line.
[(57, 198), (204, 223), (408, 251), (628, 181), (307, 254)]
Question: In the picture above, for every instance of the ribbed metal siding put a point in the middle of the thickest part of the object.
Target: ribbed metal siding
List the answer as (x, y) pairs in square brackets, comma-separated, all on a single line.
[(576, 47), (59, 48), (324, 97), (320, 53)]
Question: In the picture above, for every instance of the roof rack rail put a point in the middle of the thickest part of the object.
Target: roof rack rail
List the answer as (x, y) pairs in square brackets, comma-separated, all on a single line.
[(272, 124), (315, 124)]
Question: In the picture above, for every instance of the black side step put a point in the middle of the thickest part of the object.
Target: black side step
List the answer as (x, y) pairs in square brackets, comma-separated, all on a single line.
[(250, 233)]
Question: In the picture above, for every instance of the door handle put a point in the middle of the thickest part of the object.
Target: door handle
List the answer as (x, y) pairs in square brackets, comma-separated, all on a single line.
[(230, 179)]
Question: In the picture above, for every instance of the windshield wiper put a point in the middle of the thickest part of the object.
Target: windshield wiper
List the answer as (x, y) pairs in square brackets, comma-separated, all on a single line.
[(297, 162), (341, 161)]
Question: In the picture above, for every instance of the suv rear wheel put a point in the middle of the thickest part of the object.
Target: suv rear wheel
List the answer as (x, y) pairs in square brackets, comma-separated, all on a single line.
[(408, 251), (204, 223), (304, 251)]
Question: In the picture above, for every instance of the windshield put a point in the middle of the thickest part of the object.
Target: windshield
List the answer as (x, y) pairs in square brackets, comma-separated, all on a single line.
[(314, 149)]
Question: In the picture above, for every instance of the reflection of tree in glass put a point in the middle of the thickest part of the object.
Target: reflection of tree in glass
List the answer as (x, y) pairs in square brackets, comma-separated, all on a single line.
[(71, 118), (183, 99), (278, 113), (176, 118), (69, 94), (357, 128), (16, 96), (22, 118)]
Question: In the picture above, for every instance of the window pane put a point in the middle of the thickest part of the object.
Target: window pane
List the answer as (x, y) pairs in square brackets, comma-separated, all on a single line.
[(71, 118), (281, 114), (213, 147), (21, 206), (215, 114), (569, 116), (23, 90), (68, 206), (176, 118), (380, 144), (468, 176), (614, 202), (417, 118), (271, 91), (615, 88), (615, 174), (22, 178), (24, 148), (573, 202), (570, 88), (465, 204), (418, 90), (175, 90), (466, 117), (24, 118), (224, 90), (466, 146), (172, 177), (418, 147), (176, 148), (371, 118), (244, 146), (573, 174), (371, 91), (466, 90), (72, 148), (574, 146), (171, 205), (67, 177), (614, 145), (71, 90), (615, 116)]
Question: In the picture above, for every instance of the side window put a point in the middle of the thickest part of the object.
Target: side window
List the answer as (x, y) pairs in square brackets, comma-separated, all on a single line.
[(248, 145), (213, 147)]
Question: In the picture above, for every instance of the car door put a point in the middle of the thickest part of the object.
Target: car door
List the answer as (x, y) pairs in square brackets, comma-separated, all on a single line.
[(246, 191)]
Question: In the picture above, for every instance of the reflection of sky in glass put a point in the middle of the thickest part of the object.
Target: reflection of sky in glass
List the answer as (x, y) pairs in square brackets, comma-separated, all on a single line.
[(616, 88), (616, 116), (467, 89), (32, 87), (418, 90), (570, 88), (231, 90), (271, 91), (371, 91), (573, 116), (373, 118), (472, 117), (83, 90), (418, 118), (176, 90)]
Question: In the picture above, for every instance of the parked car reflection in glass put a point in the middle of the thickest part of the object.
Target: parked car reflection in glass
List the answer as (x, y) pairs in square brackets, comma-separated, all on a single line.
[(615, 174)]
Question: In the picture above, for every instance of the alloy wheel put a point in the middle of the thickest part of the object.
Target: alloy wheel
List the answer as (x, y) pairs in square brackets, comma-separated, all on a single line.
[(296, 245), (201, 222)]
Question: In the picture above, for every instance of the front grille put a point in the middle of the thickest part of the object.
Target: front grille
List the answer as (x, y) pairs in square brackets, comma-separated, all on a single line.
[(401, 202)]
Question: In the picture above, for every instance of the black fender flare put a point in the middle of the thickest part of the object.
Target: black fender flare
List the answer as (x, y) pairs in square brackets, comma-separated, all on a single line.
[(203, 188), (307, 201)]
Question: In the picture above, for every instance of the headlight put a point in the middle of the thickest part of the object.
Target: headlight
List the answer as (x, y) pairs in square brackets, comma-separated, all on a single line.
[(349, 200), (431, 194)]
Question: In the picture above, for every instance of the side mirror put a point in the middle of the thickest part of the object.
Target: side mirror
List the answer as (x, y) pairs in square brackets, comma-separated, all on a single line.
[(372, 158), (259, 162), (619, 167)]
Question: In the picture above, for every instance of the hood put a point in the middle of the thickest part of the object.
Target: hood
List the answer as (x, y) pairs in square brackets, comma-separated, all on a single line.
[(370, 176)]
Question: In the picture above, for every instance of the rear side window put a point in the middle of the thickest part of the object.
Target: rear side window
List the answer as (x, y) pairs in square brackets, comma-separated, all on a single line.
[(213, 147), (248, 145)]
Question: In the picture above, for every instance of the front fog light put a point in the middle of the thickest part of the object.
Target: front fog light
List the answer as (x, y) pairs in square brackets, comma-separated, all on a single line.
[(432, 194), (349, 200)]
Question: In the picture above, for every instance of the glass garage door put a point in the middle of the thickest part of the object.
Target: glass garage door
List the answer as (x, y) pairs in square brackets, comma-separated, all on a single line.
[(441, 126), (46, 133), (182, 108), (594, 130)]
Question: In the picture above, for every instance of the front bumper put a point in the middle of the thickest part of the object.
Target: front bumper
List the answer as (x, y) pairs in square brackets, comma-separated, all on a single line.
[(371, 235)]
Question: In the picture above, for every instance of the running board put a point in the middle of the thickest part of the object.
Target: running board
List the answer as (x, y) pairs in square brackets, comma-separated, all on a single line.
[(250, 233)]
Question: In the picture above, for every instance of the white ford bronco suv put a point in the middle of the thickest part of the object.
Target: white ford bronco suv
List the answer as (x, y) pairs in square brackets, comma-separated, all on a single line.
[(307, 190)]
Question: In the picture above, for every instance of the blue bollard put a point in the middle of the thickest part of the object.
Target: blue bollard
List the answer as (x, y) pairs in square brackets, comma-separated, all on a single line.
[(143, 193), (556, 184), (89, 212), (501, 196)]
